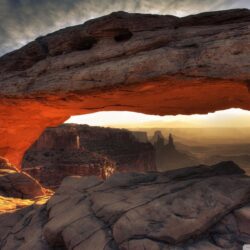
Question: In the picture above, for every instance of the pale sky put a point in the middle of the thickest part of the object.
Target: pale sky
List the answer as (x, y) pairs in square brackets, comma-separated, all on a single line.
[(124, 119)]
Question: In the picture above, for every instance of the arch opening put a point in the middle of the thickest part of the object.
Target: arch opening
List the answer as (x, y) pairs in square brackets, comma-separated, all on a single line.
[(159, 65), (24, 119), (106, 142)]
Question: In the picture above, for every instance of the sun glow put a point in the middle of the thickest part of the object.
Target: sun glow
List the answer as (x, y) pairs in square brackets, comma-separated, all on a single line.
[(226, 118)]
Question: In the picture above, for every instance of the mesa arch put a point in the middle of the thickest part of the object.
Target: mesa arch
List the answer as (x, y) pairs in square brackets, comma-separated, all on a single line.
[(135, 62)]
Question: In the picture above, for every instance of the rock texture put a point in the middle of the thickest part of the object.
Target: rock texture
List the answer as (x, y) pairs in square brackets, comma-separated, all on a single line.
[(193, 208), (17, 184), (109, 63), (72, 149)]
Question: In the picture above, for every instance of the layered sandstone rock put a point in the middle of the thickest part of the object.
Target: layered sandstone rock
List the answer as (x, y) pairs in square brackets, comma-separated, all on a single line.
[(145, 63), (193, 208), (19, 184), (72, 149)]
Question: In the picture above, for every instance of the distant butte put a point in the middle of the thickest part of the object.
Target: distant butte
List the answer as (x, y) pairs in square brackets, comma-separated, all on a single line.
[(136, 62)]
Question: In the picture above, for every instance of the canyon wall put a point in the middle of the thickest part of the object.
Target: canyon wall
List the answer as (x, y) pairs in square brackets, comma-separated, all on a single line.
[(135, 62), (72, 149)]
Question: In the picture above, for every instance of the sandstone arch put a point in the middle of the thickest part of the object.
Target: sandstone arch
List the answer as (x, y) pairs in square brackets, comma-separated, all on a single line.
[(145, 63)]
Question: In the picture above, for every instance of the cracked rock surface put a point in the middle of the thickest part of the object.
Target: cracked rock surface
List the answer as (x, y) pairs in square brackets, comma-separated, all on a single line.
[(194, 208)]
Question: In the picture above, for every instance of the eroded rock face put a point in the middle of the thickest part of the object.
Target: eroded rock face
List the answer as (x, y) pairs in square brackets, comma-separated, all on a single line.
[(144, 63), (17, 184), (193, 208), (72, 149)]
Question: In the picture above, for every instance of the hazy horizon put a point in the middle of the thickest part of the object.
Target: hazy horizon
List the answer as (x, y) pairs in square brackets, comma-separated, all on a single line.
[(230, 118)]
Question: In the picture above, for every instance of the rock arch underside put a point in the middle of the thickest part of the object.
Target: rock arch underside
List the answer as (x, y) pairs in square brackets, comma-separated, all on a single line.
[(135, 62)]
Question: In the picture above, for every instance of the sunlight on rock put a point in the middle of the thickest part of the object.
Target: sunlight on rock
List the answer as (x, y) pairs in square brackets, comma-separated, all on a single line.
[(11, 204), (108, 170)]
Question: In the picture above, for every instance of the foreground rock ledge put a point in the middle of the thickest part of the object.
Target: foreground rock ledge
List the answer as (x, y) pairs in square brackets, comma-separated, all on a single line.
[(18, 184), (136, 62), (194, 208)]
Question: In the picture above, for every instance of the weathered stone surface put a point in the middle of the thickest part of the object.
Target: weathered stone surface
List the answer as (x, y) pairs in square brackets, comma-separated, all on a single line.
[(19, 185), (72, 149), (27, 232), (194, 208), (144, 63)]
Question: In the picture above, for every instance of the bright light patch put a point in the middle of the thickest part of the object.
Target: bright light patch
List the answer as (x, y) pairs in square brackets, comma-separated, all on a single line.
[(225, 118)]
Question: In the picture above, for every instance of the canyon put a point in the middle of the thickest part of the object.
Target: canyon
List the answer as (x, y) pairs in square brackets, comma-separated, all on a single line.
[(72, 149), (75, 149)]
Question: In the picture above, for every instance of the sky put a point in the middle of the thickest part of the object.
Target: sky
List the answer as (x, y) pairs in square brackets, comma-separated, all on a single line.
[(22, 21), (236, 118)]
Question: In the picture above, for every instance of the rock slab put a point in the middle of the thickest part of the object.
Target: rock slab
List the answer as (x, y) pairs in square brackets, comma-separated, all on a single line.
[(195, 208)]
